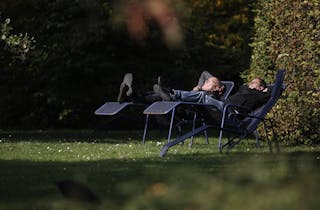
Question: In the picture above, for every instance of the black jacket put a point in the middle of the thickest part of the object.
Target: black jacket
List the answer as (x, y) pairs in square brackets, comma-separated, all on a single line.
[(249, 98), (213, 94)]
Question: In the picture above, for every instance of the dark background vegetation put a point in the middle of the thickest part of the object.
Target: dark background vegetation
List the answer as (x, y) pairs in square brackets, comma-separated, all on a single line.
[(81, 56)]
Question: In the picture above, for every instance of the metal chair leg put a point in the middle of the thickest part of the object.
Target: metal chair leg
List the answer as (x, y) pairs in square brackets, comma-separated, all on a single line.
[(193, 127), (171, 124), (267, 137), (205, 131), (145, 129)]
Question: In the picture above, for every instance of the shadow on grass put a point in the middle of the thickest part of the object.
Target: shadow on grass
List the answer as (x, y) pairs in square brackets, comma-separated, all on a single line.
[(119, 180), (201, 179)]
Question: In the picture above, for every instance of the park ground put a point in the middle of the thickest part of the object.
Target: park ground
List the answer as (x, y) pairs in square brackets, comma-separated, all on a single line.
[(124, 174)]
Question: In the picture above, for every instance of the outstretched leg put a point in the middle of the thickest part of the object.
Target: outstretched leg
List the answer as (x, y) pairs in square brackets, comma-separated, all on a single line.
[(159, 91), (125, 87)]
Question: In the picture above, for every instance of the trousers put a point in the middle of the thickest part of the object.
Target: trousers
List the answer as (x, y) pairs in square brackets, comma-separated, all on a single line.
[(197, 97)]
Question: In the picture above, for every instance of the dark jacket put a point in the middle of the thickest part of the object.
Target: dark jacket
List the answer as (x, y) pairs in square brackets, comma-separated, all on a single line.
[(213, 94), (249, 98)]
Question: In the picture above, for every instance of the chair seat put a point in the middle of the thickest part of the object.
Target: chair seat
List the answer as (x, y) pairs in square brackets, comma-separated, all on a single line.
[(111, 108)]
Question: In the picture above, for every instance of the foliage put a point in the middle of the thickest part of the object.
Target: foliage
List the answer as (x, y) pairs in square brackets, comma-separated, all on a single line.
[(81, 56), (223, 26), (287, 36), (18, 45)]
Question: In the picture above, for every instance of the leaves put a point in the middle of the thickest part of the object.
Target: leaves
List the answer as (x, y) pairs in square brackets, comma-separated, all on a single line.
[(290, 27), (82, 53), (18, 45)]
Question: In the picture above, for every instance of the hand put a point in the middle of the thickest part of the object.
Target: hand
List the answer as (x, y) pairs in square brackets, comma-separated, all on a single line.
[(196, 88)]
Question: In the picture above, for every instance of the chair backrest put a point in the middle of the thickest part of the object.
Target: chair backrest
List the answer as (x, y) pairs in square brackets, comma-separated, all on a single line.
[(228, 88), (277, 89)]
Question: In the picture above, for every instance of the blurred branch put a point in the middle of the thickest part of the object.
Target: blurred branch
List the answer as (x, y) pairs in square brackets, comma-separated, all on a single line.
[(138, 14)]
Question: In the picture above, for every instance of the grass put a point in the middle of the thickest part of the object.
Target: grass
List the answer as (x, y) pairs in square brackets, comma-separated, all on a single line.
[(128, 175)]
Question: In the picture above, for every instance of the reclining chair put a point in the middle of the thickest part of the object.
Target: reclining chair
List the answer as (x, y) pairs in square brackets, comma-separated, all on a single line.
[(160, 107), (165, 107), (239, 127)]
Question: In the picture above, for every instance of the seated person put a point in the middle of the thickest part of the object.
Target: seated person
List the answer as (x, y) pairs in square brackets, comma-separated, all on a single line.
[(208, 87), (204, 83), (250, 96)]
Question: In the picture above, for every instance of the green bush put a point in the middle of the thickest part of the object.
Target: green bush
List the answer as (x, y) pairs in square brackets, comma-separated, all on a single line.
[(287, 36)]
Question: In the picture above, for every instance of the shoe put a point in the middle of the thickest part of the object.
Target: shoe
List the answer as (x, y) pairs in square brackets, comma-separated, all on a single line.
[(128, 79), (125, 87), (122, 97), (158, 90)]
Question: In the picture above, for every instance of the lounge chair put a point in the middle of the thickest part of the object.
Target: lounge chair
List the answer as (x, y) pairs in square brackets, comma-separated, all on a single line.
[(113, 108), (165, 107), (242, 127)]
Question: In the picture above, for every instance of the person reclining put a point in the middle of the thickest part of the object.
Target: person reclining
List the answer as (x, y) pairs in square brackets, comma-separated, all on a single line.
[(209, 87), (250, 96)]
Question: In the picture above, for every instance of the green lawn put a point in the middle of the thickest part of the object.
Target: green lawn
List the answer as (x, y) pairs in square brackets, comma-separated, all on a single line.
[(127, 175)]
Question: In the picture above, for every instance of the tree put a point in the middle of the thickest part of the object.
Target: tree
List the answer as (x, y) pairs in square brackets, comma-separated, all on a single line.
[(81, 55)]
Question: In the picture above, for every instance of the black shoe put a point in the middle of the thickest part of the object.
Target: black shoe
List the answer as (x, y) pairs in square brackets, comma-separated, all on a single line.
[(164, 95), (122, 97), (125, 91)]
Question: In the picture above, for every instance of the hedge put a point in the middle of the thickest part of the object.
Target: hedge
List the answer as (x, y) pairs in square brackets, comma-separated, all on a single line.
[(287, 35)]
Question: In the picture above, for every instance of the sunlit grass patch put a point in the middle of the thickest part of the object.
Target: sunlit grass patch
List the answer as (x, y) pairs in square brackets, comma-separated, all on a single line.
[(125, 174)]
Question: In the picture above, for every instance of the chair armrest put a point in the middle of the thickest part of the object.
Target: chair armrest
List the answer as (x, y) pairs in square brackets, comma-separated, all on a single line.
[(228, 106), (242, 114)]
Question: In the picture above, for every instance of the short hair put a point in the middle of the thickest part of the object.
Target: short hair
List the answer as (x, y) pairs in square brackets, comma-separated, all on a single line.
[(262, 83)]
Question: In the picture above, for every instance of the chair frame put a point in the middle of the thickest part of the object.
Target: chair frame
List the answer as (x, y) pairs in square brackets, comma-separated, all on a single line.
[(239, 132), (165, 107)]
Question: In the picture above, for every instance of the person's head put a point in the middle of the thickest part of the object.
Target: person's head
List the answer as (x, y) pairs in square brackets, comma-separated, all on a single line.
[(213, 84), (215, 81), (258, 84)]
